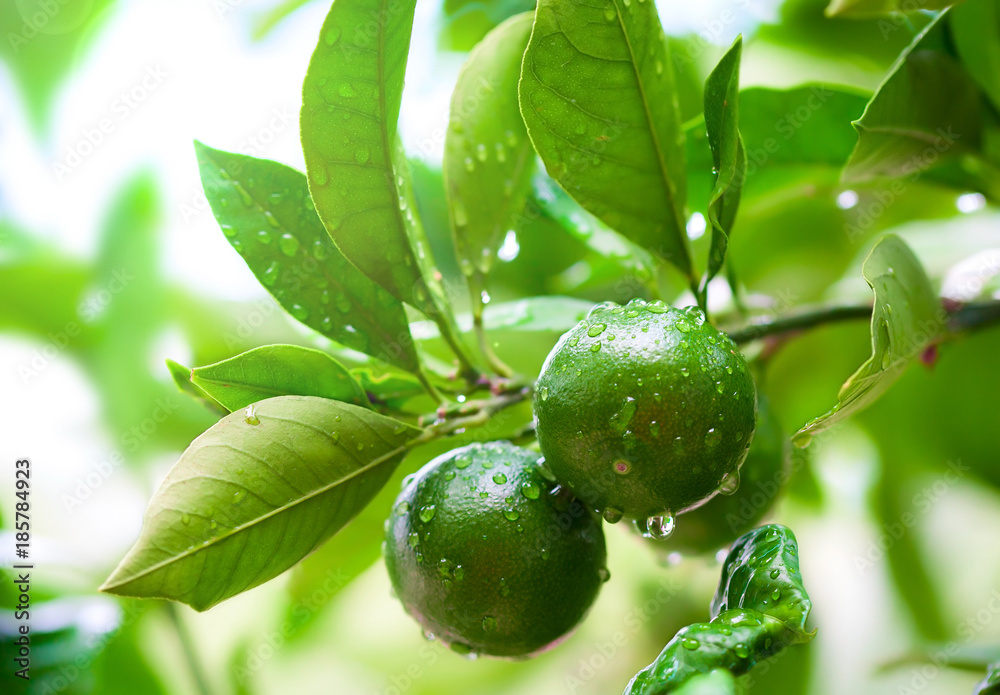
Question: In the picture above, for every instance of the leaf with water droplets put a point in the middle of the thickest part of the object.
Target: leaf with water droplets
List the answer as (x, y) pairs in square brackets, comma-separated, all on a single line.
[(301, 486), (486, 124), (722, 102), (747, 623), (606, 122), (306, 272), (277, 370), (349, 163), (907, 317)]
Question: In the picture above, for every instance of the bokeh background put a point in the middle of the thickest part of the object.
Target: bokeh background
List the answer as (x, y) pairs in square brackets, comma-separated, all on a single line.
[(111, 262)]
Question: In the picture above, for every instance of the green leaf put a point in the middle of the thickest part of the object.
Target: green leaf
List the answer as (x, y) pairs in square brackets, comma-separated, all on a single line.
[(975, 30), (256, 493), (722, 103), (598, 99), (277, 370), (267, 20), (760, 607), (391, 388), (42, 42), (906, 318), (350, 105), (991, 684), (265, 212), (182, 378), (868, 8), (927, 110), (488, 159)]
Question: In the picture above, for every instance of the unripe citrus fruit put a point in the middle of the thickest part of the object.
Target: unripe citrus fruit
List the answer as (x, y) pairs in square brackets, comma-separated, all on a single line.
[(491, 557), (644, 411), (724, 518)]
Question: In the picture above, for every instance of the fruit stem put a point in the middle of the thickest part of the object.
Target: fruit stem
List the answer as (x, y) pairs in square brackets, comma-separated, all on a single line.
[(468, 371), (495, 362), (428, 386), (189, 649)]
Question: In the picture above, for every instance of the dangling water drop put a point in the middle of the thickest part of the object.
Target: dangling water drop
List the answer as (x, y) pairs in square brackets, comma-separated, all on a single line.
[(659, 527), (612, 515), (730, 484)]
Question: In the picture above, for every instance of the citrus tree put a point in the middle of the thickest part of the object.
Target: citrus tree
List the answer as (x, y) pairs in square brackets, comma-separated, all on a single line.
[(643, 397)]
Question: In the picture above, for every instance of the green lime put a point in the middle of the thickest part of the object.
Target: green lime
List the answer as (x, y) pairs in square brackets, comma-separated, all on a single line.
[(644, 411), (724, 518), (489, 556)]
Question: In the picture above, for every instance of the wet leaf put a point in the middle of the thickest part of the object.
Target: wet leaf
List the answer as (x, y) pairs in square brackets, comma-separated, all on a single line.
[(760, 607), (611, 134), (256, 493), (906, 318)]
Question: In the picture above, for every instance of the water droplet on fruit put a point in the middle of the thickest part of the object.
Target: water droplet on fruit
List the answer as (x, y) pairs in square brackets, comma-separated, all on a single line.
[(511, 514), (543, 393), (659, 527), (712, 438), (530, 491), (427, 513), (741, 651), (776, 594), (264, 236), (596, 329), (690, 643), (603, 574), (250, 417), (612, 515), (730, 484), (654, 429), (413, 539), (499, 479), (545, 553), (775, 573), (463, 462)]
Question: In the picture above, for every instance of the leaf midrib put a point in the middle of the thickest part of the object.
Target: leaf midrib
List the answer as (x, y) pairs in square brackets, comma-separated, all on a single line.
[(655, 136), (261, 519)]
